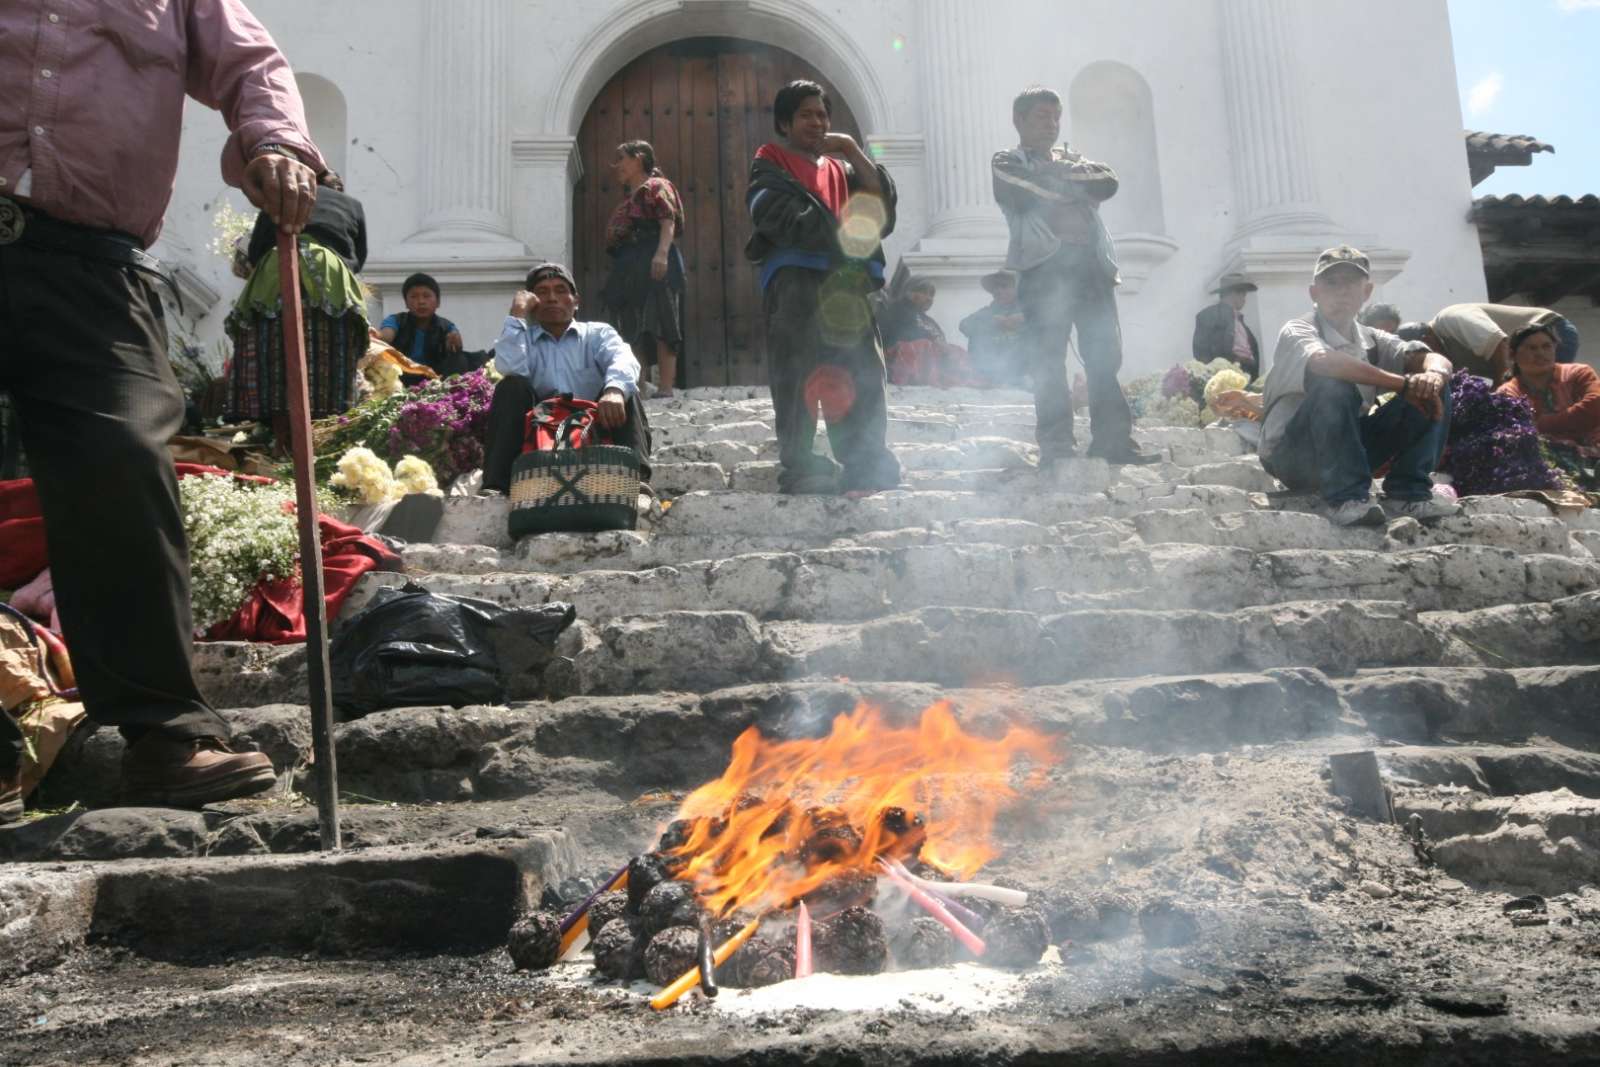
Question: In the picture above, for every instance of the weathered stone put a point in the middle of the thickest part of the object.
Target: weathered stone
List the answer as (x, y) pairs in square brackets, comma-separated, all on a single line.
[(675, 479), (106, 834)]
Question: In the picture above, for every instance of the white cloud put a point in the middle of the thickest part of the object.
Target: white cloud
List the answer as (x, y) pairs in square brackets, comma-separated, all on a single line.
[(1570, 6), (1481, 97)]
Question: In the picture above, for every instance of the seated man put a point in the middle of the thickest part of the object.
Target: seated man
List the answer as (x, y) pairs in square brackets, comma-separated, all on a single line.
[(1476, 337), (543, 352), (1220, 331), (1317, 432), (994, 334), (419, 332)]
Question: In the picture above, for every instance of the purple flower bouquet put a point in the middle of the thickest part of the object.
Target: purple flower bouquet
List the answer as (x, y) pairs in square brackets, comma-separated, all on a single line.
[(1494, 447)]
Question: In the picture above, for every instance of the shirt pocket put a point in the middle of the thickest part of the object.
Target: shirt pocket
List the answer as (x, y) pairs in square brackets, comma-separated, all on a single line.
[(147, 33)]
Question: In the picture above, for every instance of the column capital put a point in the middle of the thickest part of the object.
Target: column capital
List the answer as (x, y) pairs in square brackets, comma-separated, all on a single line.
[(549, 150)]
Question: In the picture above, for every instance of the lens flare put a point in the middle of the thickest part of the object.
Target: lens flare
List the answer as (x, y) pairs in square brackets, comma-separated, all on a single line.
[(830, 389), (861, 228)]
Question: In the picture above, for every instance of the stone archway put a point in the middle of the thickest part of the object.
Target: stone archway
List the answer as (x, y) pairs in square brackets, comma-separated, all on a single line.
[(705, 104)]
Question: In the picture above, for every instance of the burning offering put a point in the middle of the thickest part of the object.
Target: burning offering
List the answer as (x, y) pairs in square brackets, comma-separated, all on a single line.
[(850, 854)]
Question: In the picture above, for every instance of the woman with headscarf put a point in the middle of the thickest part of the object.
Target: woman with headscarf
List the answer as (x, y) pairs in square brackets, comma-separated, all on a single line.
[(1565, 399), (333, 248), (643, 294)]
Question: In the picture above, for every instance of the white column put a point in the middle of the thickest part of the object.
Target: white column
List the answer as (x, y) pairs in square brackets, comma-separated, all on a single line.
[(466, 153), (1275, 182), (965, 114)]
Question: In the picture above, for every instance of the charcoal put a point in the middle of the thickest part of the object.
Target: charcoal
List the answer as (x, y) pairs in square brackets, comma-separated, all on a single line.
[(645, 872), (1072, 916), (669, 904), (905, 832), (851, 942), (760, 961), (618, 953), (535, 941), (676, 835), (671, 954), (1166, 925), (922, 942), (831, 839), (608, 907), (1117, 912), (847, 888), (1016, 937)]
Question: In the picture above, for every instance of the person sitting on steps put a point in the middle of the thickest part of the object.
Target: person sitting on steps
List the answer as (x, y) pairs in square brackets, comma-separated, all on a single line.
[(544, 351), (1318, 433), (419, 332)]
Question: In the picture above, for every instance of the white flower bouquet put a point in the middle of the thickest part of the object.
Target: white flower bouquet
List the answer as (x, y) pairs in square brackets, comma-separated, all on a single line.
[(239, 535)]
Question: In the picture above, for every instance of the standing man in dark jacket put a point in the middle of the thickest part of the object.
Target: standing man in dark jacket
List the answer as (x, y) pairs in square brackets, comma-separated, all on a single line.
[(819, 228), (1068, 269), (91, 108), (1220, 331)]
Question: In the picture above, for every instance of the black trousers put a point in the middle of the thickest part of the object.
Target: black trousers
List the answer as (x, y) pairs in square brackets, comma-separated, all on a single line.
[(83, 353), (823, 350), (1070, 291), (508, 419)]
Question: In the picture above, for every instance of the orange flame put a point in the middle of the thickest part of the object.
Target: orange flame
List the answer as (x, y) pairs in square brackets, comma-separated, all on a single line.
[(786, 816)]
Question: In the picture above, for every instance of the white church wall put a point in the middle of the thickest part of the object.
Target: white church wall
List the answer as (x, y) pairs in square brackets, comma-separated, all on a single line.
[(1381, 110)]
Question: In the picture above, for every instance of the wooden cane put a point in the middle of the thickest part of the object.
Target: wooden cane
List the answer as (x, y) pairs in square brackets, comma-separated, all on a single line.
[(318, 673)]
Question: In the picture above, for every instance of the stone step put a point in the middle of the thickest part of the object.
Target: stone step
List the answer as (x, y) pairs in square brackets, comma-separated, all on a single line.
[(701, 650), (700, 526), (459, 898), (1433, 704), (845, 584), (1494, 770), (1546, 842), (609, 749)]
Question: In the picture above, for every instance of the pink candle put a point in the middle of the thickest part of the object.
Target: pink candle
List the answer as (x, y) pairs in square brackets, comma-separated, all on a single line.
[(802, 943), (972, 941)]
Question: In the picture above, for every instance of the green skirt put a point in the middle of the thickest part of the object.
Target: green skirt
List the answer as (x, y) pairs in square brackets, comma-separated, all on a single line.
[(333, 305)]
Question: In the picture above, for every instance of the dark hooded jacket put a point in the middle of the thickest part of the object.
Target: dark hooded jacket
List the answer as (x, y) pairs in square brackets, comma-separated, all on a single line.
[(789, 217)]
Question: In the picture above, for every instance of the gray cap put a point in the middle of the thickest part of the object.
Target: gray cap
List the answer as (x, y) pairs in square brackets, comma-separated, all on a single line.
[(549, 270), (1342, 256)]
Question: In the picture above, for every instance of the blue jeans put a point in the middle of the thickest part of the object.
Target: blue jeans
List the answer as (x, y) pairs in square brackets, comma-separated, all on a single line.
[(1332, 448), (1566, 341)]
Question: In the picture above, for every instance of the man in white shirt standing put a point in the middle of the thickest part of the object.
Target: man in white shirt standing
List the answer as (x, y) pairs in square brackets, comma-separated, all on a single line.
[(544, 351), (1320, 431)]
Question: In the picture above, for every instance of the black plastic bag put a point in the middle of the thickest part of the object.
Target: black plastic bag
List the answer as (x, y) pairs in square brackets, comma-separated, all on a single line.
[(411, 648)]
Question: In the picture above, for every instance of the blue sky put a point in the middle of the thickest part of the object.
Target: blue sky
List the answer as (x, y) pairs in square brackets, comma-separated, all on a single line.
[(1533, 67)]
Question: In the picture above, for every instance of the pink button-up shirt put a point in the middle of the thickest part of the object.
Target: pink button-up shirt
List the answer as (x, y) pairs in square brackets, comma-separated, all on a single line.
[(91, 101)]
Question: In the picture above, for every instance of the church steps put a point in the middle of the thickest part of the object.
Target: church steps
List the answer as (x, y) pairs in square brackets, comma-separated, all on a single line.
[(702, 650), (854, 583)]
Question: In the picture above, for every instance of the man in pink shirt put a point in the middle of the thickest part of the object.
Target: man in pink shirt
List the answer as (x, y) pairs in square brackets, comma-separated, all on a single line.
[(91, 107)]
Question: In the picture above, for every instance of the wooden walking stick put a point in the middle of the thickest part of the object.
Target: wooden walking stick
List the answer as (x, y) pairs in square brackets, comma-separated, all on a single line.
[(318, 673)]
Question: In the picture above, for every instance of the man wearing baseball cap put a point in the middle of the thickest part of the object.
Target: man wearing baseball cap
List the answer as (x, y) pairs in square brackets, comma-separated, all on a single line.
[(544, 351), (1320, 431)]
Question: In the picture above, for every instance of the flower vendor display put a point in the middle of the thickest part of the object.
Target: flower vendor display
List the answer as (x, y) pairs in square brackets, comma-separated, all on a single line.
[(368, 478), (1494, 447), (239, 534), (441, 422)]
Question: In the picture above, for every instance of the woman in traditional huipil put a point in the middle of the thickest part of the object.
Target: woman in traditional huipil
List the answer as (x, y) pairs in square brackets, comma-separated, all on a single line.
[(643, 294)]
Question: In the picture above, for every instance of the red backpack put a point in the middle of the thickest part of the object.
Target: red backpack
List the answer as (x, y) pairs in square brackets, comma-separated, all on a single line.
[(566, 420)]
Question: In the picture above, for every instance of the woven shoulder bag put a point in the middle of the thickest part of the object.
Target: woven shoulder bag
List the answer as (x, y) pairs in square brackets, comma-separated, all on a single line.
[(573, 485)]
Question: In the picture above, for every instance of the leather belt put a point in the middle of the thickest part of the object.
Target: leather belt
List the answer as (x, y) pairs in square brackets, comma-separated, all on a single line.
[(32, 228)]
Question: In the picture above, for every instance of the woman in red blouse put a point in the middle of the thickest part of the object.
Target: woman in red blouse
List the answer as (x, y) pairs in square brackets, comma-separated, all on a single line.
[(643, 294), (1565, 396)]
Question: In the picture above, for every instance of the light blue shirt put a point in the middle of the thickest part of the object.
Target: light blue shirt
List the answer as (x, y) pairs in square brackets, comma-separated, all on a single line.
[(588, 359)]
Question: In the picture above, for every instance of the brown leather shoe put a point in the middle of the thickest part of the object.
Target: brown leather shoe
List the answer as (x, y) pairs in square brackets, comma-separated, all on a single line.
[(189, 772)]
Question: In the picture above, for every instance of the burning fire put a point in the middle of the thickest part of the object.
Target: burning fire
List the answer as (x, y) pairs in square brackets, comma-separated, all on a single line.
[(787, 816)]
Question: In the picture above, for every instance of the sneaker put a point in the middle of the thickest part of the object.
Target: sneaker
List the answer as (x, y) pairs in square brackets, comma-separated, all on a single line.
[(1433, 507), (189, 772), (1358, 513)]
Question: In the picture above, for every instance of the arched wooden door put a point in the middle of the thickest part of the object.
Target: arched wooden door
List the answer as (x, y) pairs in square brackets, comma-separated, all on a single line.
[(705, 104)]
